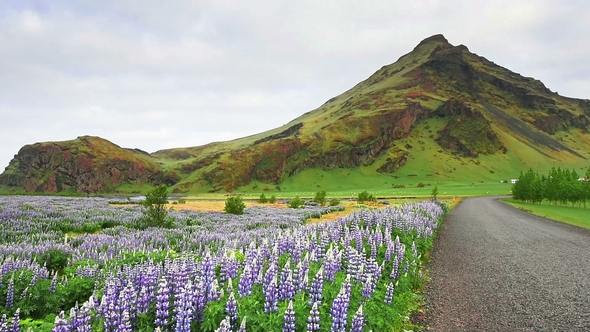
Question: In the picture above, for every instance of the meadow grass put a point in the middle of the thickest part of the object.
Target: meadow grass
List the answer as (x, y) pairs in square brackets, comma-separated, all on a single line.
[(567, 214)]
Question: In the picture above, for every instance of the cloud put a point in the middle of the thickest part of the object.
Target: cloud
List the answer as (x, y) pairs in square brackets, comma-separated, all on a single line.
[(152, 75)]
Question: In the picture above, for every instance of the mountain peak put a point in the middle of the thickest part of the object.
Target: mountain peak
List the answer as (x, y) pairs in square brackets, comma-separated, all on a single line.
[(439, 38)]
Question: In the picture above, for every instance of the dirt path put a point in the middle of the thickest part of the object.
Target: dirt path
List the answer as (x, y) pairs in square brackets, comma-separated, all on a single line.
[(496, 268)]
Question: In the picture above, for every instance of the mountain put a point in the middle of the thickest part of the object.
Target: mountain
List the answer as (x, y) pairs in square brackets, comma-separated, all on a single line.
[(440, 113), (85, 165)]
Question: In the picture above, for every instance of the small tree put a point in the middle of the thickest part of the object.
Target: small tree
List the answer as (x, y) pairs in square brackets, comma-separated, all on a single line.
[(320, 197), (154, 209), (334, 202), (234, 205), (262, 199), (434, 192), (296, 203), (365, 196), (272, 199)]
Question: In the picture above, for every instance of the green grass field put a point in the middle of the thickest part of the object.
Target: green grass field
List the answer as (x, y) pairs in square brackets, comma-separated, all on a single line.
[(570, 215)]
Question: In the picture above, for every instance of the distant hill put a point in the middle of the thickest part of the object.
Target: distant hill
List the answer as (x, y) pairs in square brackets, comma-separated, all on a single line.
[(438, 114)]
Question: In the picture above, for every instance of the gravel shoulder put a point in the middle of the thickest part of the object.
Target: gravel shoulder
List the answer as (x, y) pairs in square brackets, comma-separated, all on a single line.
[(496, 268)]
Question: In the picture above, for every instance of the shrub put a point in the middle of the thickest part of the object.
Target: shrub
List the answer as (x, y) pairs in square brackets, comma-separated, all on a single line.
[(272, 199), (234, 205), (154, 211), (320, 197), (365, 196), (334, 202), (53, 259), (296, 202), (434, 192), (262, 199)]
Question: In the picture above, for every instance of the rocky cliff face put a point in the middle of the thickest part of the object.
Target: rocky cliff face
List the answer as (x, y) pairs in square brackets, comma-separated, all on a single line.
[(85, 165)]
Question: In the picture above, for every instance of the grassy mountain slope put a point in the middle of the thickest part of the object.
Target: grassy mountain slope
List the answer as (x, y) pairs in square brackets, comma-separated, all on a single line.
[(440, 114)]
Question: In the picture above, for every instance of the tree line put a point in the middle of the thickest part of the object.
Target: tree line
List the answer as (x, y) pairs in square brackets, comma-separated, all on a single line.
[(559, 187)]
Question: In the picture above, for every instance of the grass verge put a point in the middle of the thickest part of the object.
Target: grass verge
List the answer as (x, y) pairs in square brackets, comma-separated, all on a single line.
[(570, 215)]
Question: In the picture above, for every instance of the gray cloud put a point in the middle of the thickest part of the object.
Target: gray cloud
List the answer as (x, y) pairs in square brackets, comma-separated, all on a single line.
[(153, 76)]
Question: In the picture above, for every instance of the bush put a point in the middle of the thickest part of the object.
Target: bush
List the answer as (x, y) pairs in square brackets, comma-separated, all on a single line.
[(296, 203), (434, 192), (320, 197), (53, 259), (272, 199), (181, 201), (234, 205), (365, 196), (334, 202), (154, 212), (262, 199)]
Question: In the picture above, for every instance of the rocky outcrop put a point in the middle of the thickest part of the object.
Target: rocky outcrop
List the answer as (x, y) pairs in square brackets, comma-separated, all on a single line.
[(555, 120), (467, 132), (85, 165)]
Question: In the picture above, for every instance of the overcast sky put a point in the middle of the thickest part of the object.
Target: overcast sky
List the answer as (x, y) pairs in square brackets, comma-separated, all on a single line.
[(155, 74)]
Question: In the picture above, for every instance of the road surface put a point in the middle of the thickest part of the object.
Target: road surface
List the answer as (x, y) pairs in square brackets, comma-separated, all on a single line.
[(496, 268)]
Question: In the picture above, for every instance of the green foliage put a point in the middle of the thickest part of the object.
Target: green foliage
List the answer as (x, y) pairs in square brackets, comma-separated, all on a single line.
[(234, 205), (154, 209), (53, 259), (296, 202), (434, 192), (181, 201), (320, 197), (38, 301), (334, 202), (365, 196), (561, 187), (272, 199), (262, 199)]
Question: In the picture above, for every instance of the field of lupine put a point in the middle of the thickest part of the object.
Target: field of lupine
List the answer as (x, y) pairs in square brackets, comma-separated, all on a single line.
[(77, 264)]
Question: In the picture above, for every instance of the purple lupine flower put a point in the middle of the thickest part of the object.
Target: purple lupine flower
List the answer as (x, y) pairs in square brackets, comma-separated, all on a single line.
[(214, 293), (162, 303), (358, 321), (243, 325), (225, 325), (286, 289), (143, 300), (313, 321), (340, 305), (4, 323), (231, 309), (125, 325), (395, 269), (200, 298), (245, 282), (297, 278), (317, 287), (53, 284), (207, 277), (284, 285), (84, 318), (73, 321), (15, 324), (61, 324), (10, 293), (367, 287), (271, 296), (289, 320), (389, 293), (184, 308)]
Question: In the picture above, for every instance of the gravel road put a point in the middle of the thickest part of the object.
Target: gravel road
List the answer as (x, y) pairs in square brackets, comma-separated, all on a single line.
[(496, 268)]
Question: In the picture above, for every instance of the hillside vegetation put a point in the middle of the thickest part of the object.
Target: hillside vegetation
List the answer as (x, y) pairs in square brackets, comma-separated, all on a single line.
[(440, 114)]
